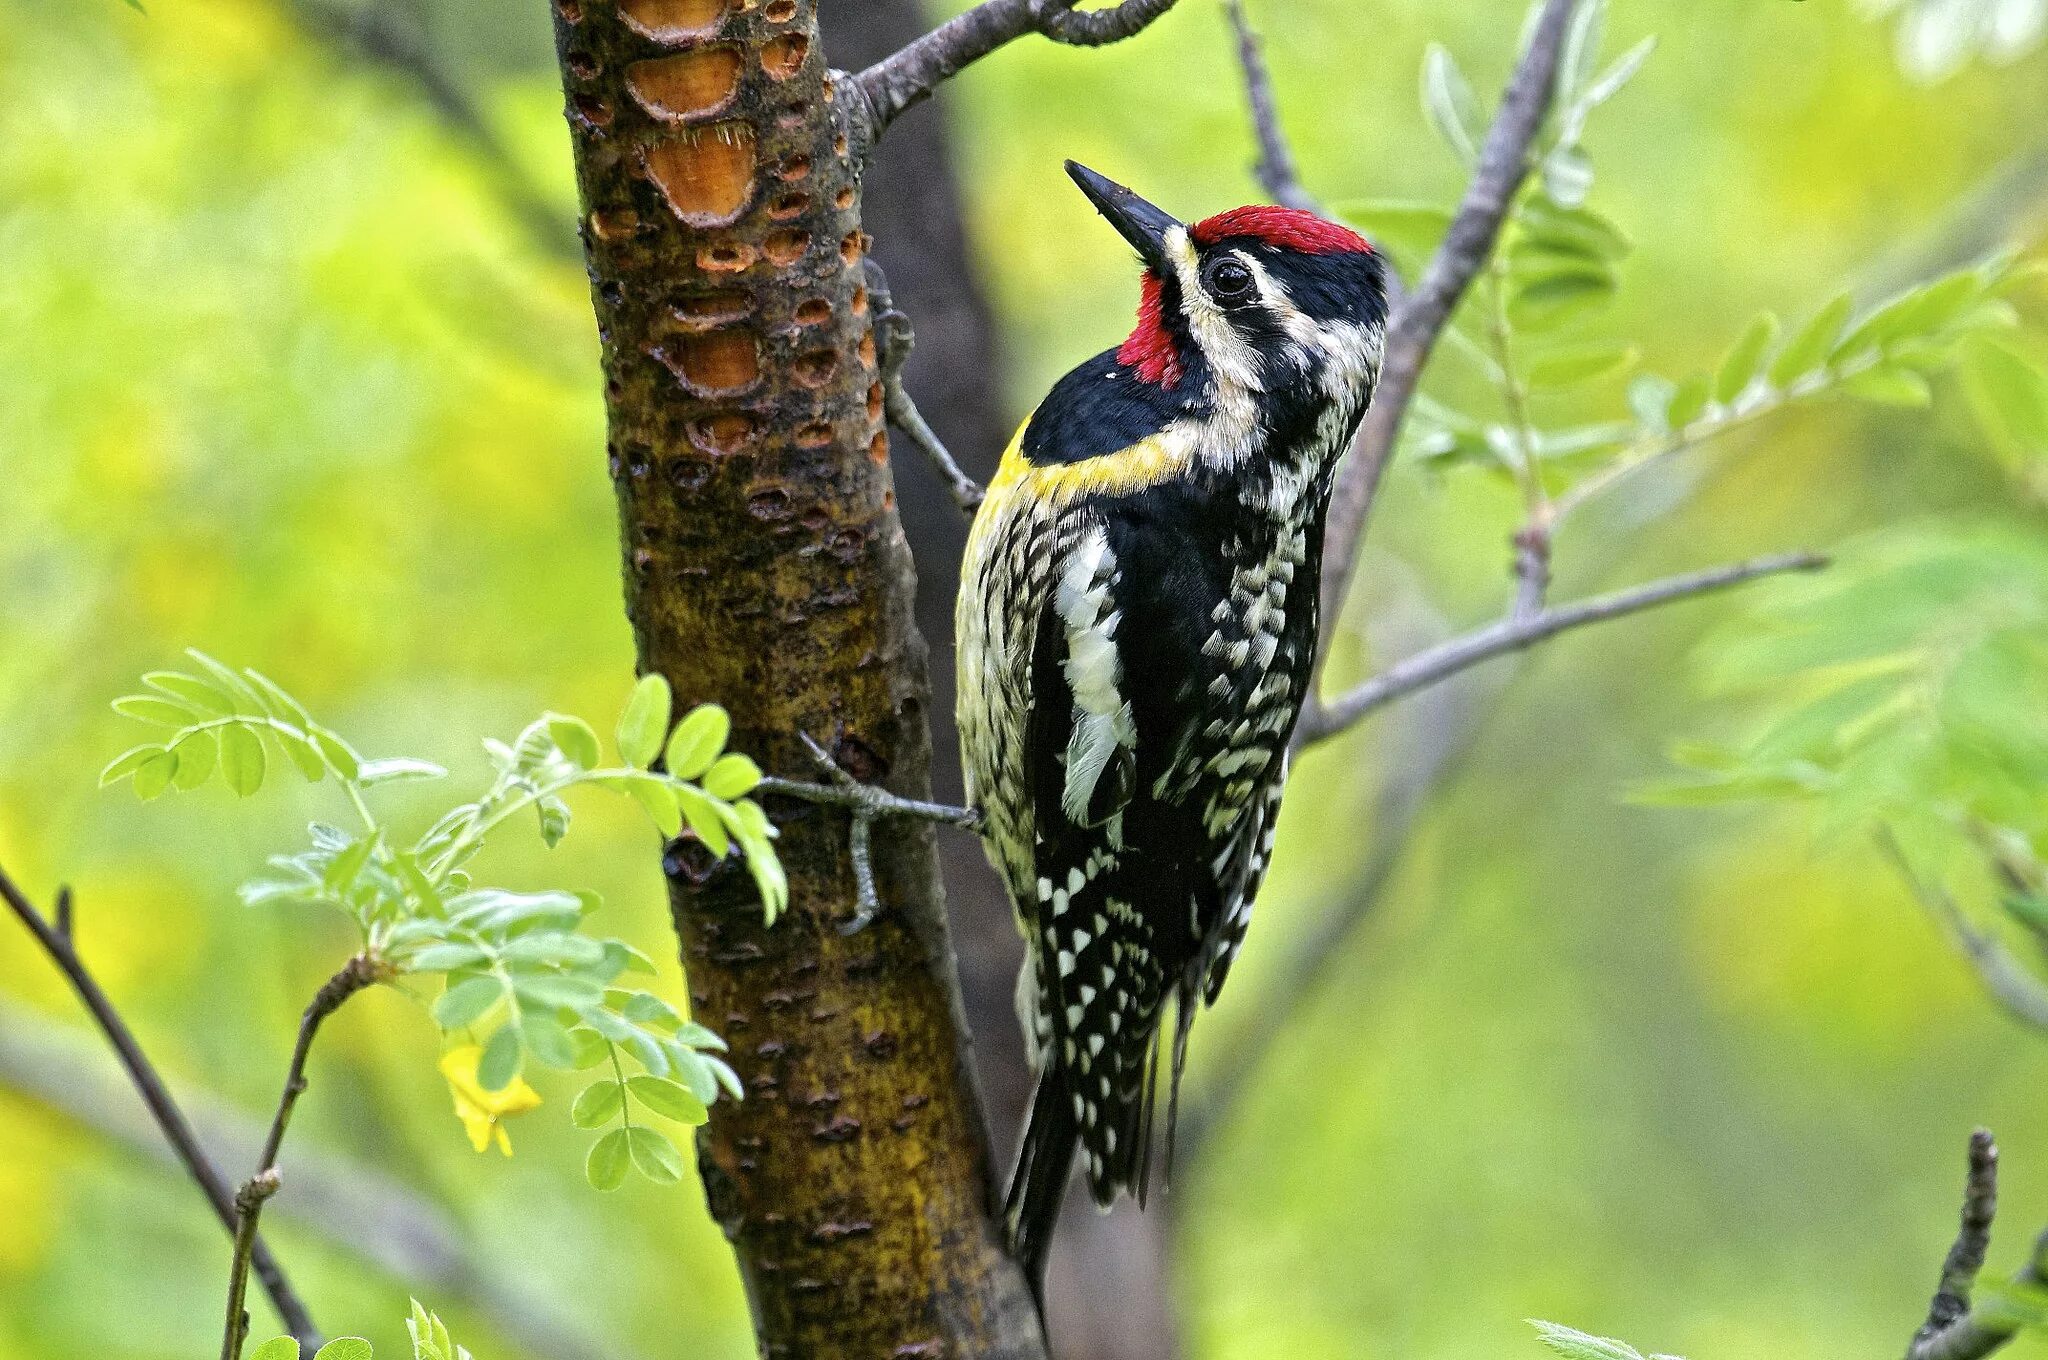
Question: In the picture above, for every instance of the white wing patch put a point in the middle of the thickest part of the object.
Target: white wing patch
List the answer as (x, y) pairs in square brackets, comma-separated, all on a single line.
[(1103, 728)]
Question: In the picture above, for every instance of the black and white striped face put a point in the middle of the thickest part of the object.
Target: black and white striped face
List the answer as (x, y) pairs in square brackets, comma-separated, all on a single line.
[(1274, 319)]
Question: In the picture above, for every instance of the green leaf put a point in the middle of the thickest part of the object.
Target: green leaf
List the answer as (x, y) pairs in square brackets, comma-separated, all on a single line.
[(734, 776), (576, 740), (1576, 231), (2010, 396), (590, 1046), (1557, 297), (1688, 402), (1581, 47), (1809, 349), (704, 819), (1616, 77), (1740, 366), (644, 722), (627, 959), (655, 1155), (660, 803), (151, 708), (598, 1106), (196, 756), (396, 770), (191, 691), (1449, 104), (467, 1002), (1890, 386), (610, 1158), (557, 989), (302, 753), (278, 1347), (127, 763), (503, 1056), (645, 1008), (669, 1099), (345, 1348), (1650, 397), (241, 760), (1568, 175), (338, 753), (154, 775), (697, 741), (446, 957), (549, 1042), (1577, 1345), (1569, 367)]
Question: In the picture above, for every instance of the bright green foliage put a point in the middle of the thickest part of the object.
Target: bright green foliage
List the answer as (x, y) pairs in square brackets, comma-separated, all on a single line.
[(1526, 327), (430, 1339), (1577, 1345), (520, 975)]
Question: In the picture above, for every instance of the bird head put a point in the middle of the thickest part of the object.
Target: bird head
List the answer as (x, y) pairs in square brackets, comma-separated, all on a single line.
[(1258, 300)]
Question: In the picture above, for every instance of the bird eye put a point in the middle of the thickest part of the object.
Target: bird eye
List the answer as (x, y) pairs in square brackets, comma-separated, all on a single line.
[(1229, 280)]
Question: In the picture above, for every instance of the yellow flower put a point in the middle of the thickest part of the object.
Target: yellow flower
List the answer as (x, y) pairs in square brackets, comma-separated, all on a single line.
[(482, 1112)]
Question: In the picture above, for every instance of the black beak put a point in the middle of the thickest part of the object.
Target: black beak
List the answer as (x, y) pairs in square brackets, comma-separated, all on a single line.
[(1137, 221)]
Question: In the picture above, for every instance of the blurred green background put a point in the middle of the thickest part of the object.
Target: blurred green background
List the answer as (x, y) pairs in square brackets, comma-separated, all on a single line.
[(289, 372)]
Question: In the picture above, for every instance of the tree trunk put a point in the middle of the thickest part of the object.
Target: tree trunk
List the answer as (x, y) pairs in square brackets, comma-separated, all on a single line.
[(766, 570)]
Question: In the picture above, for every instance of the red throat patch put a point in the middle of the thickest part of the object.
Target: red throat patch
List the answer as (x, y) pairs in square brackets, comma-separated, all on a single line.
[(1151, 351), (1284, 228)]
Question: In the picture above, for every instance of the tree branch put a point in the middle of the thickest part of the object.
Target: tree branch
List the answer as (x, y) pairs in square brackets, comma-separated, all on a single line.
[(375, 34), (1275, 167), (1516, 632), (58, 942), (1424, 312), (358, 973), (360, 1209), (905, 79), (895, 339), (1954, 1330), (2009, 981)]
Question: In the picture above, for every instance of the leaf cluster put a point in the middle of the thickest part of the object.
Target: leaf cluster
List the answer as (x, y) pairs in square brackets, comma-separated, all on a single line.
[(520, 973)]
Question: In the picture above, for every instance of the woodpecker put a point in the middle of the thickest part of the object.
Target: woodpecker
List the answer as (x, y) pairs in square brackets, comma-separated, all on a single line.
[(1136, 627)]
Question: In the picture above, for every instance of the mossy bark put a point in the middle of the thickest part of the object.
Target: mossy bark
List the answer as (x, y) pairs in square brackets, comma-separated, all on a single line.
[(766, 570)]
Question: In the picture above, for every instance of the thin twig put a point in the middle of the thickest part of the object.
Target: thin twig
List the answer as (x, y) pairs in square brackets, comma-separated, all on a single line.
[(1425, 311), (58, 942), (356, 1208), (908, 76), (375, 34), (868, 805), (1275, 168), (2004, 977), (248, 1208), (1513, 634), (1955, 1330), (360, 972), (894, 341)]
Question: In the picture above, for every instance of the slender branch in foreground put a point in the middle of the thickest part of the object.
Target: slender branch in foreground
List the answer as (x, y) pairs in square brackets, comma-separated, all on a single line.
[(248, 1208), (1955, 1330), (868, 804), (907, 78), (356, 1208), (1512, 634), (895, 339), (2008, 981), (375, 34), (358, 973), (59, 943), (1422, 315), (1275, 168)]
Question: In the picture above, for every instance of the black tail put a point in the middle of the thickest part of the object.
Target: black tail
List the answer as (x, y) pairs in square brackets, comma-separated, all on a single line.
[(1045, 1159)]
